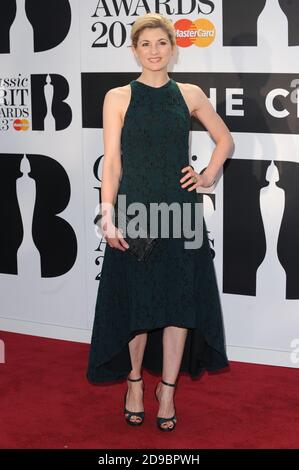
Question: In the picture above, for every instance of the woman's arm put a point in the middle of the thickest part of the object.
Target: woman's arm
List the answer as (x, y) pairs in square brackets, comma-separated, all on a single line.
[(205, 113), (112, 168), (112, 125)]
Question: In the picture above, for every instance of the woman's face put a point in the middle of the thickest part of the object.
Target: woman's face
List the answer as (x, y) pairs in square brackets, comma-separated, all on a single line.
[(154, 49)]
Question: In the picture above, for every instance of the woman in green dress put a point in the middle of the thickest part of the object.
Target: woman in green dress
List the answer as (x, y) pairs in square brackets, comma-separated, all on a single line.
[(163, 314)]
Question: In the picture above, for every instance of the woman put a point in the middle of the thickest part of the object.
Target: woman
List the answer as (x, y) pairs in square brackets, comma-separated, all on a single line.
[(163, 314)]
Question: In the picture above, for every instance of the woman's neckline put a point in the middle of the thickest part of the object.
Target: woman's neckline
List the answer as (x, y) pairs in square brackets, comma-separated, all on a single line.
[(154, 87)]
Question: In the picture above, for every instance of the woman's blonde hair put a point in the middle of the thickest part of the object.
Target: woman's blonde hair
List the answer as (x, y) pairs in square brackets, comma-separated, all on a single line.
[(152, 20)]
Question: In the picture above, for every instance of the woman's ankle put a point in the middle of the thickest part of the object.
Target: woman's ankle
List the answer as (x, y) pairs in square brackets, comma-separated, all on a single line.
[(134, 376)]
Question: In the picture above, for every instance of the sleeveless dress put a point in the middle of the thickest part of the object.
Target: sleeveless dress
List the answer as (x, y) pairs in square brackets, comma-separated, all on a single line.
[(175, 286)]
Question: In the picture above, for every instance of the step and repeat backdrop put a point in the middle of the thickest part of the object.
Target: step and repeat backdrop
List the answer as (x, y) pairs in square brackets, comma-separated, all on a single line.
[(57, 61)]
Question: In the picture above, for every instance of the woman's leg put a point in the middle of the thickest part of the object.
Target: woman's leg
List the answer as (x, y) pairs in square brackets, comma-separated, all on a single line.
[(174, 339), (134, 400)]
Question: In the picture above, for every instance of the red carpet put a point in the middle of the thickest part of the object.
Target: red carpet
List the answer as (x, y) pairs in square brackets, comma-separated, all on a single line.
[(46, 402)]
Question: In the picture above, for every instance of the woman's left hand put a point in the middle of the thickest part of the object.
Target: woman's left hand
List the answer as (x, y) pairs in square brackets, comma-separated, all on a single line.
[(204, 180)]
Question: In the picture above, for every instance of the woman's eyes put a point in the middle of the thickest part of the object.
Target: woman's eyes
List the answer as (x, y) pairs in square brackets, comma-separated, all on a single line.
[(146, 44)]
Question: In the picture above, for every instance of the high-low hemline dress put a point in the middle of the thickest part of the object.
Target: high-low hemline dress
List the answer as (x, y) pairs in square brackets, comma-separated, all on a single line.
[(175, 286)]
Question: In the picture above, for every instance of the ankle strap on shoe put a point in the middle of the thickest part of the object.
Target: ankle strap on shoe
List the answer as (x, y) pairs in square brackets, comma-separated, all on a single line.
[(166, 383), (134, 380)]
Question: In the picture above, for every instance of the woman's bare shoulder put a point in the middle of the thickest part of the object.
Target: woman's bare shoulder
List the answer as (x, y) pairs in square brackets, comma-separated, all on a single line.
[(190, 94), (193, 95), (119, 91), (118, 98), (189, 87)]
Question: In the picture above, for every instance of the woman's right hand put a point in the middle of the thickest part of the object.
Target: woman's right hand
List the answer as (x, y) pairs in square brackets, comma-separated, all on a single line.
[(114, 236)]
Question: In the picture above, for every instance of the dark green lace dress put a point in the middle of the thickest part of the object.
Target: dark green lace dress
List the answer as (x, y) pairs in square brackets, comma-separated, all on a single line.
[(176, 286)]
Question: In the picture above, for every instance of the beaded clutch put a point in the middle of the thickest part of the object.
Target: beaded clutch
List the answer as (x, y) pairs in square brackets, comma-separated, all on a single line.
[(140, 247)]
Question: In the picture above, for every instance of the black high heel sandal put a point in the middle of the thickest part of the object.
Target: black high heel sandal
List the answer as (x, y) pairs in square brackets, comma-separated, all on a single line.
[(128, 414), (160, 420)]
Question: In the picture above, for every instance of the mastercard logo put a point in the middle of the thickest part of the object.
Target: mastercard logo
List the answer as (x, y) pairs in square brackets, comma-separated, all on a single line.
[(200, 32), (21, 124)]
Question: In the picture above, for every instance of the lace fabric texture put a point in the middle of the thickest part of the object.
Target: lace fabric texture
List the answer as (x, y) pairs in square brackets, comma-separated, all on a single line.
[(176, 286)]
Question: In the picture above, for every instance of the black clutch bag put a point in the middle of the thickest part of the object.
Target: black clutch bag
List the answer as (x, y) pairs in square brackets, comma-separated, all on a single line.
[(140, 247)]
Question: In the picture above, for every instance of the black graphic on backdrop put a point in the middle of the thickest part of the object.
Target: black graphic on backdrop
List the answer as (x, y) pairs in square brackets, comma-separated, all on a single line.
[(50, 22), (244, 243), (288, 241), (291, 10), (61, 111), (240, 21), (256, 108), (8, 13), (53, 236), (11, 233)]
